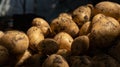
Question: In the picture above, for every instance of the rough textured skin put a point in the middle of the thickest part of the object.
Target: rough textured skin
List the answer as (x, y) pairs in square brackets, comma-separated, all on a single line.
[(35, 37), (64, 40), (15, 41), (55, 61)]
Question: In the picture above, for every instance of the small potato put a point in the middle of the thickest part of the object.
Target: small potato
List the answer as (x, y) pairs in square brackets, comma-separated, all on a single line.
[(55, 60), (43, 25), (85, 29), (64, 40), (48, 46), (104, 31), (35, 37), (15, 41), (80, 45), (4, 55), (64, 24), (108, 8), (82, 14)]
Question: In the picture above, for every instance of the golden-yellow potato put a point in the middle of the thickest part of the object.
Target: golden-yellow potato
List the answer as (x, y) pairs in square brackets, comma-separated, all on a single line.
[(82, 14), (108, 8), (48, 46), (15, 41), (43, 25), (64, 24), (64, 40), (55, 60), (85, 29), (35, 37), (80, 45), (4, 55), (104, 31)]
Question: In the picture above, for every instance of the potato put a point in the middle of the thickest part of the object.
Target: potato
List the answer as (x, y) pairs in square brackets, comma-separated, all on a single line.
[(55, 60), (64, 40), (114, 51), (48, 46), (80, 61), (35, 37), (64, 24), (15, 41), (104, 60), (22, 58), (108, 8), (85, 29), (80, 45), (82, 14), (104, 31), (43, 25), (4, 55)]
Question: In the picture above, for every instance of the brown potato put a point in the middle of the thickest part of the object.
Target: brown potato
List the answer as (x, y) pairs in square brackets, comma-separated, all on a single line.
[(85, 29), (65, 15), (35, 37), (80, 45), (55, 60), (64, 24), (64, 40), (43, 25), (4, 55), (104, 31), (82, 14), (108, 8), (48, 46), (15, 41)]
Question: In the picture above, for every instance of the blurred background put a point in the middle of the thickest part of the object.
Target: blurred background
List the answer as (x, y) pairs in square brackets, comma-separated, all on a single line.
[(18, 14)]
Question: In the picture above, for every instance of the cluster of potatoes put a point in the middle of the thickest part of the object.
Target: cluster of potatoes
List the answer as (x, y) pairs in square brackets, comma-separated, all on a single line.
[(89, 36)]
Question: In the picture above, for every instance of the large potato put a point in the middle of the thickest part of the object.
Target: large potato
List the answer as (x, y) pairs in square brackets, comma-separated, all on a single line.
[(4, 55), (15, 41), (43, 25), (108, 8), (66, 24), (80, 45), (48, 46), (82, 14), (64, 40), (35, 37), (55, 60), (104, 31)]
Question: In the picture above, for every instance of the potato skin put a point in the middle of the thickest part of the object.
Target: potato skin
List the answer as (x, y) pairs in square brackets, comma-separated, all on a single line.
[(43, 25), (104, 31), (108, 8), (48, 46), (1, 33), (55, 60), (64, 24), (15, 41), (80, 45), (64, 40), (35, 36), (82, 14)]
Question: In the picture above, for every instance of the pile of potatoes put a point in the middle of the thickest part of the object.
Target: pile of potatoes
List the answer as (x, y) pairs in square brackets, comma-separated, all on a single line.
[(89, 36)]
